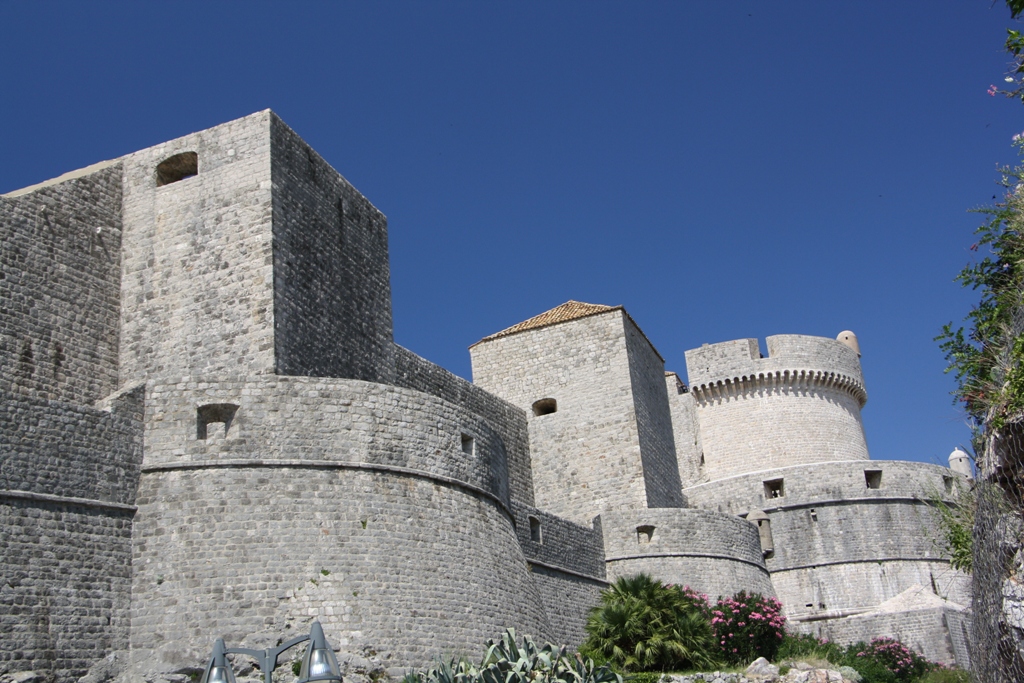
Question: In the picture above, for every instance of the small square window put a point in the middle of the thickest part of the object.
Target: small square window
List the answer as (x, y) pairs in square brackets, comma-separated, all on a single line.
[(468, 444), (873, 479), (644, 534), (774, 488)]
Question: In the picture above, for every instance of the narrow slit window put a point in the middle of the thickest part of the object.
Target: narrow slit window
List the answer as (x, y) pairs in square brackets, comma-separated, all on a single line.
[(947, 483), (535, 533), (644, 534), (177, 167), (213, 420), (545, 406), (774, 488), (873, 479), (468, 444)]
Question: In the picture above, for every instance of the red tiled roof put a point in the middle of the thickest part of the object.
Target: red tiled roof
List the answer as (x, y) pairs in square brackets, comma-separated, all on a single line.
[(570, 310)]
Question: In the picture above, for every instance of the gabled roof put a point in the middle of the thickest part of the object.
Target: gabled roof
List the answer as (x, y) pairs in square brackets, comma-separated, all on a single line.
[(570, 310)]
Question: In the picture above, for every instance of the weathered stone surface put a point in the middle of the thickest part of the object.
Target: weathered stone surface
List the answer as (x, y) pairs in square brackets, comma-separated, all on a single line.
[(209, 432)]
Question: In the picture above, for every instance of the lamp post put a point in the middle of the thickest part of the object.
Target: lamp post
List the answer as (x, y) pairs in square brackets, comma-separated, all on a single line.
[(318, 664)]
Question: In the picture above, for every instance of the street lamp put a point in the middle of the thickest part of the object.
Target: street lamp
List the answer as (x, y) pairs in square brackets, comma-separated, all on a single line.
[(318, 664)]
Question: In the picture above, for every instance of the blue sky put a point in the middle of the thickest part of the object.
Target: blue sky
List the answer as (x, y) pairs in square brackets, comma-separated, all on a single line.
[(724, 170)]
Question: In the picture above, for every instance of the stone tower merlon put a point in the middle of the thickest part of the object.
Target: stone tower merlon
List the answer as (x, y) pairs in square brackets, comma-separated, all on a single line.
[(593, 388), (245, 253), (800, 404)]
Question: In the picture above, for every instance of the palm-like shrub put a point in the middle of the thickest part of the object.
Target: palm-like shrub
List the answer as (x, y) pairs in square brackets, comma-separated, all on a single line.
[(644, 625)]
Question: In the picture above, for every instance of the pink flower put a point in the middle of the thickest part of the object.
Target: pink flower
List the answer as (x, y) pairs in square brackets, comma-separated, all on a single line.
[(992, 90)]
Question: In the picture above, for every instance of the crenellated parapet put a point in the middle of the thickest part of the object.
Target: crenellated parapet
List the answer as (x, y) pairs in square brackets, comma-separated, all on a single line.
[(799, 404), (794, 362)]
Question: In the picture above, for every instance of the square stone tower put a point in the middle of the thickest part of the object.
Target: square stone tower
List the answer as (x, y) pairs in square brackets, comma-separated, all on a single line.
[(593, 388), (245, 253)]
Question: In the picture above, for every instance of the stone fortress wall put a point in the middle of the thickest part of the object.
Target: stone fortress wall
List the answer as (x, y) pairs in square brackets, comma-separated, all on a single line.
[(213, 434), (713, 553)]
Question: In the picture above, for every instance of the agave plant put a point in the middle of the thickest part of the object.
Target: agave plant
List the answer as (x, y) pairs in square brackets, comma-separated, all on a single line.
[(506, 661)]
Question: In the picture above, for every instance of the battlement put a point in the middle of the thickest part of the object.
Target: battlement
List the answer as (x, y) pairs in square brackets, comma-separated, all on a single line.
[(793, 359)]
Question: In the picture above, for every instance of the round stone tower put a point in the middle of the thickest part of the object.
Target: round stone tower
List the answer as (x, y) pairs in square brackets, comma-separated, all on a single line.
[(800, 404)]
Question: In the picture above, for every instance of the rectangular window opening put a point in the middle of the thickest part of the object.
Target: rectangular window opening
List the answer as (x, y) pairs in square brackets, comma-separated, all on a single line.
[(873, 479), (468, 444), (774, 488), (644, 534), (535, 533)]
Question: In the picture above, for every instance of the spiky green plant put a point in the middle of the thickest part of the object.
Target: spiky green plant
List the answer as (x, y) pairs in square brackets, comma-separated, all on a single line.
[(507, 661), (643, 625)]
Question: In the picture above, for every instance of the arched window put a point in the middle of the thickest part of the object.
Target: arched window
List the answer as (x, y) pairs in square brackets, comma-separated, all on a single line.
[(178, 167), (545, 406)]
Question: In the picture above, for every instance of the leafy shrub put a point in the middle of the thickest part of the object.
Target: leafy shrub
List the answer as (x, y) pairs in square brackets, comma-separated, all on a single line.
[(803, 646), (748, 627), (644, 625), (944, 675), (507, 662), (885, 660)]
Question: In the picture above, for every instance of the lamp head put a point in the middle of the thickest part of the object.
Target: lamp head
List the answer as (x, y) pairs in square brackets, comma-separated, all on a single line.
[(319, 662), (218, 670)]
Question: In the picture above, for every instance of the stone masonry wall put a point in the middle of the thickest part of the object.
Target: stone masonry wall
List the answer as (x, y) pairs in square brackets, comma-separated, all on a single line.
[(197, 291), (63, 449), (653, 420), (586, 456), (713, 553), (60, 275), (567, 567), (839, 545), (411, 566), (332, 287), (68, 478), (835, 481), (689, 449), (66, 584), (413, 372), (324, 420), (374, 484), (799, 405), (924, 631)]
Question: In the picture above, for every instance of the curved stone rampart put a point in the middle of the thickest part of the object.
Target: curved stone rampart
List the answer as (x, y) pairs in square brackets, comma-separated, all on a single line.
[(713, 553), (313, 419), (248, 552), (359, 503), (822, 482), (847, 535)]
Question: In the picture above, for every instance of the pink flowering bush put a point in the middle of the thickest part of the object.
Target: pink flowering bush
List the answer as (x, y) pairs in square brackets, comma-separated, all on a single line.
[(894, 657), (748, 626)]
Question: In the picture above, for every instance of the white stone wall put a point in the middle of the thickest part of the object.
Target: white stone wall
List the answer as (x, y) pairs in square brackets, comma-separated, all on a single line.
[(686, 432), (801, 404), (197, 261), (839, 545), (586, 456), (653, 420)]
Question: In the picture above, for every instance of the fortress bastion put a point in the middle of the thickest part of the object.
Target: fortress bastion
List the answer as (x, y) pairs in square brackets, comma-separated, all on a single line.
[(211, 433)]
